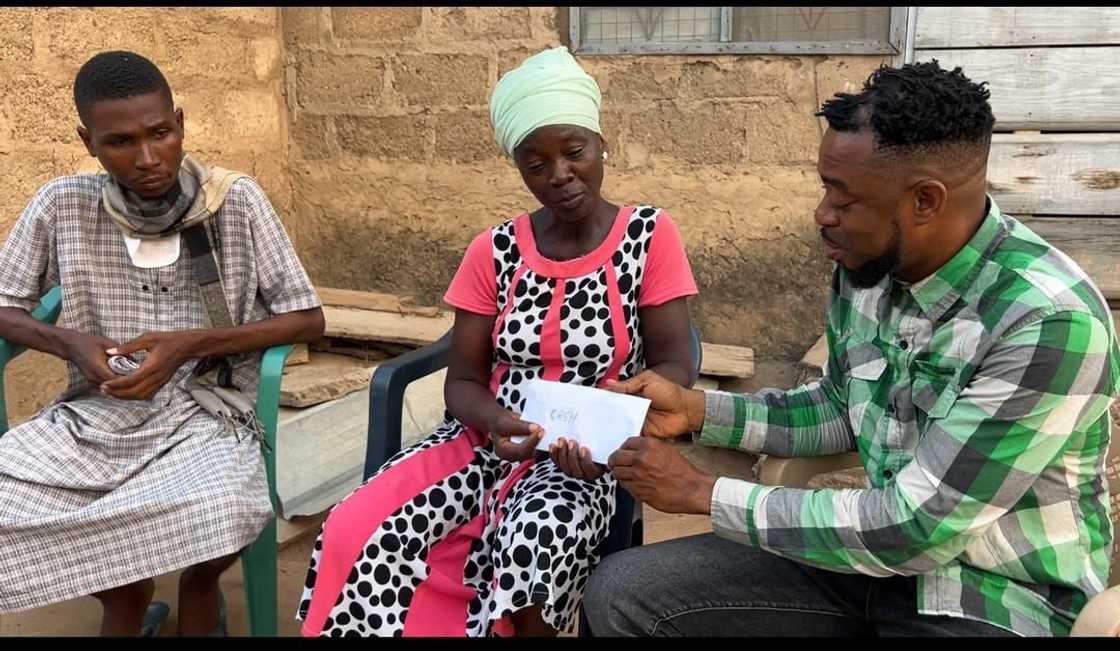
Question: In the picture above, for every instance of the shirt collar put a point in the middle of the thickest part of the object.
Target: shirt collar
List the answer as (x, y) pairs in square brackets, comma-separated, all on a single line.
[(936, 293)]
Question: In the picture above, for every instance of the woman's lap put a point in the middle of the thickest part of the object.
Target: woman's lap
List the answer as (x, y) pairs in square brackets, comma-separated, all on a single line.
[(431, 539)]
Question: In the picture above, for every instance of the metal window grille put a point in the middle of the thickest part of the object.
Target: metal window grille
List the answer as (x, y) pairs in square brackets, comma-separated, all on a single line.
[(718, 30)]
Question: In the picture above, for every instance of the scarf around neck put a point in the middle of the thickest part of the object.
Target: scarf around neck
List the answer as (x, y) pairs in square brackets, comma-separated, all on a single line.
[(195, 197)]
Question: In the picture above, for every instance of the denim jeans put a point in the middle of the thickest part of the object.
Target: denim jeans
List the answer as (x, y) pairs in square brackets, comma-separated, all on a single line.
[(709, 586)]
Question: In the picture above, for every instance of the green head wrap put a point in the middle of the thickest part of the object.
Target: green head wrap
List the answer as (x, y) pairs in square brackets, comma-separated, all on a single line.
[(547, 88)]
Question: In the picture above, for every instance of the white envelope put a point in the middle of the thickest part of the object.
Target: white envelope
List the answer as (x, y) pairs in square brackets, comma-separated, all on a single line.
[(595, 418)]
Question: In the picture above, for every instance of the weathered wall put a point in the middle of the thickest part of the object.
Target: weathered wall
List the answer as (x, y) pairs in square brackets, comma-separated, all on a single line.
[(225, 70), (390, 167), (394, 168)]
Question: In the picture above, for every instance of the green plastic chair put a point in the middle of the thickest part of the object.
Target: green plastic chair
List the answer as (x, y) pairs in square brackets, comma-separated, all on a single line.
[(258, 561)]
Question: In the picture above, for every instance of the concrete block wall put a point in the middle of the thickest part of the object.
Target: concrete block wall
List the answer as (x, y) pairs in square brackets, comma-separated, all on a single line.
[(369, 129), (225, 67), (394, 169)]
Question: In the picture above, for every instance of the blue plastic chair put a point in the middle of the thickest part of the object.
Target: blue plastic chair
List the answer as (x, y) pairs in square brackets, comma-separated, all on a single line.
[(386, 403), (258, 560)]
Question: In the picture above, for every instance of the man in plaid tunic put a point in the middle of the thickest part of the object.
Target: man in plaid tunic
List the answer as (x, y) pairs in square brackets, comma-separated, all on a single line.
[(124, 478), (971, 364)]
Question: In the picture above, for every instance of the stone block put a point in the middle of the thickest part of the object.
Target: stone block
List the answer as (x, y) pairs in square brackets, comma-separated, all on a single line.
[(314, 136), (464, 137), (742, 76), (252, 118), (21, 174), (481, 23), (38, 109), (301, 25), (265, 54), (708, 134), (442, 79), (325, 377), (400, 137), (17, 44), (375, 23), (227, 57), (338, 79), (510, 59), (636, 80), (74, 35)]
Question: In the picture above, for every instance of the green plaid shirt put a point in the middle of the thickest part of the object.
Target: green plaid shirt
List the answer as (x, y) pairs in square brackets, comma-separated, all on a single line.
[(978, 401)]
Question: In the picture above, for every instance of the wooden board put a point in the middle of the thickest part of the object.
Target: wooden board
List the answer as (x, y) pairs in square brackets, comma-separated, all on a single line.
[(951, 27), (1068, 88), (373, 301), (373, 325), (727, 361), (300, 355), (1056, 173), (1091, 242)]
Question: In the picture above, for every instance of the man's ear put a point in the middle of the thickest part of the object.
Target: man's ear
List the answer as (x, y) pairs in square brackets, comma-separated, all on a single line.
[(179, 118), (930, 197), (87, 140)]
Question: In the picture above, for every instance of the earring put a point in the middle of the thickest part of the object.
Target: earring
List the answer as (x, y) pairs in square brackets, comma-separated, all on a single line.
[(604, 155)]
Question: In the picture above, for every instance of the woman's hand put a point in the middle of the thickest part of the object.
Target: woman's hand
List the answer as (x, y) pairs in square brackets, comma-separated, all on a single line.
[(508, 424), (573, 460)]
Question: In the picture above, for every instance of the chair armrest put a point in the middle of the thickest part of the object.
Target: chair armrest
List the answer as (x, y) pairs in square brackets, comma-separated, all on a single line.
[(796, 473), (1101, 616), (268, 405), (50, 306), (386, 398)]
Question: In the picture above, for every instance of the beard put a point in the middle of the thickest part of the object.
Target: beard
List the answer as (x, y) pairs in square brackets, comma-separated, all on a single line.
[(871, 272)]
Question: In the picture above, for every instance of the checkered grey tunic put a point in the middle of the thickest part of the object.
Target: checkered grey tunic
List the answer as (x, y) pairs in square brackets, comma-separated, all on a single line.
[(97, 492)]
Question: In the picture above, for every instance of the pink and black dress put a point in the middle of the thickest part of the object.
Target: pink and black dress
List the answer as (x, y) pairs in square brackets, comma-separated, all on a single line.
[(448, 539)]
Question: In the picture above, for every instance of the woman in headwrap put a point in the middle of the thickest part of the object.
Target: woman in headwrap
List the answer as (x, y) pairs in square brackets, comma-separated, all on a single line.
[(468, 532)]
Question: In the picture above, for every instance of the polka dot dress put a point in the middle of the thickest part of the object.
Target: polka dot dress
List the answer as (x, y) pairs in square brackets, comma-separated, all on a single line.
[(448, 539)]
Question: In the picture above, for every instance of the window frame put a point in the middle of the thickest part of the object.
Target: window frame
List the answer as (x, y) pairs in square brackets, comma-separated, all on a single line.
[(892, 46)]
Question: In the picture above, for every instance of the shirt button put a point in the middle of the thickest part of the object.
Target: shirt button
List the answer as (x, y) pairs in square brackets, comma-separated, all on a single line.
[(163, 289), (887, 474), (903, 344), (890, 409), (144, 287)]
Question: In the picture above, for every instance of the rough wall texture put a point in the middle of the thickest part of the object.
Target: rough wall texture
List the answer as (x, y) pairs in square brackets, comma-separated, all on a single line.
[(225, 67), (369, 129), (394, 167)]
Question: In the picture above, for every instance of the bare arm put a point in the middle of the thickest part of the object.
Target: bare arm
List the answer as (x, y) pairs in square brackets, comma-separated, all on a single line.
[(666, 333), (85, 351), (467, 388)]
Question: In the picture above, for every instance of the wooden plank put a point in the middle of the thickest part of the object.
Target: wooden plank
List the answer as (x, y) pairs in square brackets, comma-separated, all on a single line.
[(1091, 242), (373, 325), (727, 361), (1070, 88), (1056, 173), (951, 27), (300, 355), (374, 301)]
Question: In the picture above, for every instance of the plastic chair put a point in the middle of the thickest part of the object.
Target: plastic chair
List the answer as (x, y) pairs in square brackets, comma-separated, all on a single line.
[(386, 402), (258, 560)]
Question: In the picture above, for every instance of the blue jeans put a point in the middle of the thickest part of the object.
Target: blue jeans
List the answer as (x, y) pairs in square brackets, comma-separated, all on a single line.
[(709, 586)]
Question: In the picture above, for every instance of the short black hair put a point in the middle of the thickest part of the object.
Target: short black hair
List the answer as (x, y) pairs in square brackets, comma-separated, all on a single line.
[(916, 109), (116, 75)]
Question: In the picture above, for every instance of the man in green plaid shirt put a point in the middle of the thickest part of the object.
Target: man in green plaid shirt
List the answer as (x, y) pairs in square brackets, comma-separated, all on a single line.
[(971, 364)]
